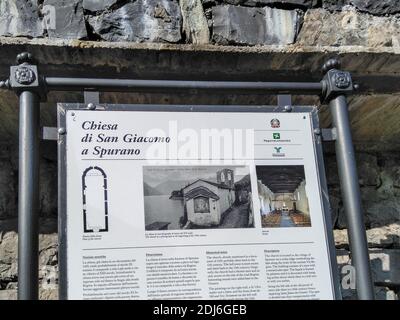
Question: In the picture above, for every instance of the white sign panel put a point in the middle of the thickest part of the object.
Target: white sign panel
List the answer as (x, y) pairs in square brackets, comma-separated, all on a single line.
[(192, 205)]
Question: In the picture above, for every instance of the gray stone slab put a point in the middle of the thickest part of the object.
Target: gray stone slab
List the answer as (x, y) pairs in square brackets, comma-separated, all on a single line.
[(64, 19), (195, 24), (20, 18), (141, 21), (238, 25), (98, 5), (381, 293), (281, 3), (334, 5), (252, 26), (8, 189), (8, 294), (380, 7), (349, 28), (383, 237), (375, 7)]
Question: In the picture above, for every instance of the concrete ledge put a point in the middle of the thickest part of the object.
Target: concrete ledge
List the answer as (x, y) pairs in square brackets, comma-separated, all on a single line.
[(375, 69)]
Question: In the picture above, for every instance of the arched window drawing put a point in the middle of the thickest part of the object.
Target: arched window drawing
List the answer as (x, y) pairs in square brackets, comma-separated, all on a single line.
[(95, 200)]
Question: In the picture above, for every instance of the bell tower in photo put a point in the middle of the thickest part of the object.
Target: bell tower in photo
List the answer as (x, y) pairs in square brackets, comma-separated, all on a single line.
[(225, 177)]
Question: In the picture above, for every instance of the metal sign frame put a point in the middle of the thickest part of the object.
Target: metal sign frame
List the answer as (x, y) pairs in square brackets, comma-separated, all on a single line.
[(32, 88), (62, 170)]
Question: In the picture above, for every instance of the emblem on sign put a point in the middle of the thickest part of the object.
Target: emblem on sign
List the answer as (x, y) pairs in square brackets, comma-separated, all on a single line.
[(276, 135), (275, 123), (278, 152)]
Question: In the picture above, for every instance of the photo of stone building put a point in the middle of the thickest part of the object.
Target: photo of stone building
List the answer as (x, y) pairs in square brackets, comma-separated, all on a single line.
[(283, 196), (197, 197)]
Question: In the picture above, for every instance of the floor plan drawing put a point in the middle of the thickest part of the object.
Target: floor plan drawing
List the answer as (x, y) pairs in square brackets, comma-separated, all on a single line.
[(95, 212)]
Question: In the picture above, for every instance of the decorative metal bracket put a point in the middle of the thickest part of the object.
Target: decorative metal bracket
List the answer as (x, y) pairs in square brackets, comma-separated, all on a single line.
[(25, 77), (329, 134), (50, 133), (335, 81)]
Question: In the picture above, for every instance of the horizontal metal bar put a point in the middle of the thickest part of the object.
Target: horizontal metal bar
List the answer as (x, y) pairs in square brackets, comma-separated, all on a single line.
[(125, 85)]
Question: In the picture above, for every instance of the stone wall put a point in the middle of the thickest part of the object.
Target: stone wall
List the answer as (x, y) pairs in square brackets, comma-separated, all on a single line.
[(287, 24), (222, 22), (380, 189)]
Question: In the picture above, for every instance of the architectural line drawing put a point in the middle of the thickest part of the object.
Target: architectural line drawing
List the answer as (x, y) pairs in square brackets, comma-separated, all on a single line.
[(95, 200)]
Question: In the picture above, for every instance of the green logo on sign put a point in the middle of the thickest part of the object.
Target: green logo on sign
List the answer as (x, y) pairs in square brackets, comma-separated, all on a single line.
[(276, 135)]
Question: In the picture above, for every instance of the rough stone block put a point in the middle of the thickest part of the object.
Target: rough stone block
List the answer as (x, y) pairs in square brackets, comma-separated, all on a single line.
[(334, 5), (44, 294), (383, 237), (252, 26), (238, 25), (98, 5), (286, 4), (64, 19), (8, 193), (301, 3), (20, 18), (368, 170), (48, 188), (396, 176), (8, 294), (331, 169), (48, 294), (8, 257), (367, 166), (335, 203), (381, 7), (381, 207), (140, 21), (381, 293), (382, 212), (195, 23), (48, 261), (348, 28), (8, 247)]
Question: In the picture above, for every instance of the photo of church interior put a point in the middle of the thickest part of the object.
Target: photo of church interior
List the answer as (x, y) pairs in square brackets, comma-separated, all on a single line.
[(283, 198)]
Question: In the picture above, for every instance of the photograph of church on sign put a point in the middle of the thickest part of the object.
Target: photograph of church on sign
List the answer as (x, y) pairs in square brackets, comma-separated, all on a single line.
[(283, 197), (197, 197)]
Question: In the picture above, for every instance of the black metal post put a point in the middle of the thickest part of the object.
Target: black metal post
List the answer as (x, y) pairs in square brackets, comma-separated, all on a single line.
[(28, 195), (351, 198), (337, 84)]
